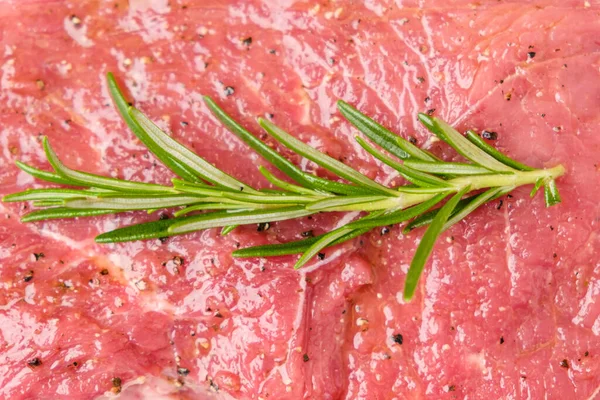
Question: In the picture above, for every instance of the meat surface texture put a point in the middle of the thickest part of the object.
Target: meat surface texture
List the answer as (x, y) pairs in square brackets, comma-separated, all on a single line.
[(508, 306)]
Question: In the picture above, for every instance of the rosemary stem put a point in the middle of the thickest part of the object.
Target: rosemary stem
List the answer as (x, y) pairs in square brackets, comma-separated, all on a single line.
[(516, 179), (476, 182)]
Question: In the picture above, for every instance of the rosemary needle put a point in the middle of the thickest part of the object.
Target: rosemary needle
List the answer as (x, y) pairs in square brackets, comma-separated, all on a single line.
[(206, 197), (426, 244)]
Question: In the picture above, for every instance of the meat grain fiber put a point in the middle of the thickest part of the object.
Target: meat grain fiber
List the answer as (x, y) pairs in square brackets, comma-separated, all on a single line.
[(508, 306)]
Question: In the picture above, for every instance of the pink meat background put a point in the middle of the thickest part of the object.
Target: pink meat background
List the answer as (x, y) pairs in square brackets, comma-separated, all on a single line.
[(509, 294)]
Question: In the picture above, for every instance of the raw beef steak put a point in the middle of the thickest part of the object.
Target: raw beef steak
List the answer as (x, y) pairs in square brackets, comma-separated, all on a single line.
[(508, 307)]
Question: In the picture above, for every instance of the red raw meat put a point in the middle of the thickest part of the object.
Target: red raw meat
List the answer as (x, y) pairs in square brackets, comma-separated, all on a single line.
[(507, 308)]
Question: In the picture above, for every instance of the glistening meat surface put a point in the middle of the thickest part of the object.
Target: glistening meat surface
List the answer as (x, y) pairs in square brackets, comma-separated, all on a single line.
[(508, 307)]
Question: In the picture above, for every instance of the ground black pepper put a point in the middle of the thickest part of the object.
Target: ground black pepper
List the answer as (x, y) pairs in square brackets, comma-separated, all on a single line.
[(397, 338), (263, 226), (489, 135), (564, 363), (321, 256), (307, 234), (28, 276), (531, 54), (38, 256), (247, 41), (305, 357), (183, 371), (34, 362), (229, 90)]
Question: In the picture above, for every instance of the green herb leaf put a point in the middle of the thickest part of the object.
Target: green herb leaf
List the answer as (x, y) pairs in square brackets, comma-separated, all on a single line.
[(49, 194), (426, 246), (260, 200), (446, 168), (394, 144), (228, 229), (479, 142), (47, 203), (148, 230), (296, 247), (210, 206), (551, 195), (45, 175), (324, 241), (86, 179), (60, 213), (410, 189), (214, 220), (331, 164), (286, 185), (203, 190), (279, 249), (417, 177), (463, 146), (538, 184), (285, 166), (471, 201), (173, 164), (201, 167), (133, 202), (458, 214)]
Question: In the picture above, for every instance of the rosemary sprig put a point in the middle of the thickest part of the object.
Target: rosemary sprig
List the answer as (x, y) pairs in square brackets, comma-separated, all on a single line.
[(206, 197)]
